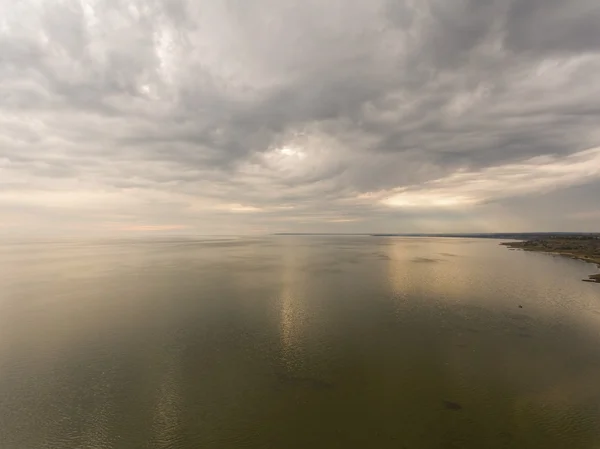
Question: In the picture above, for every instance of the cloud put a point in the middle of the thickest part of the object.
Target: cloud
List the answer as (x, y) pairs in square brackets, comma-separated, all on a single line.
[(588, 215), (533, 176), (287, 109), (240, 208), (150, 228)]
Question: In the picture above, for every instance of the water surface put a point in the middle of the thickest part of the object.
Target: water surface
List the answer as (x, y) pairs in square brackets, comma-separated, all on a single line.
[(296, 342)]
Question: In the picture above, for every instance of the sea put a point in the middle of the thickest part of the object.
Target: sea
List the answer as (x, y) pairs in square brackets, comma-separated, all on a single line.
[(286, 342)]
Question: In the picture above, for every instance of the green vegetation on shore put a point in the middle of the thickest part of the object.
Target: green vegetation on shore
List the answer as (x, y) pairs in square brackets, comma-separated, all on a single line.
[(582, 247)]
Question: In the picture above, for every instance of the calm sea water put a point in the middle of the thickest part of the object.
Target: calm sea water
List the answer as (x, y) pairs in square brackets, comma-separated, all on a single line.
[(296, 342)]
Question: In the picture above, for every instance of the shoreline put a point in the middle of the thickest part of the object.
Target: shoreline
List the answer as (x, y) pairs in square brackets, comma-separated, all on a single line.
[(584, 249)]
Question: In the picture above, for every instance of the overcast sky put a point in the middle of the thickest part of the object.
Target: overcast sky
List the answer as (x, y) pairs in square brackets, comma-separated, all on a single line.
[(257, 116)]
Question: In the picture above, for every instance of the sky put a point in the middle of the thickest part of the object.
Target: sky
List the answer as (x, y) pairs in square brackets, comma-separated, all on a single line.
[(230, 117)]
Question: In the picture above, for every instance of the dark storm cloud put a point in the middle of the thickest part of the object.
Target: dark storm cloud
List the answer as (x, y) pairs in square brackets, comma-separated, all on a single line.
[(275, 111), (553, 26)]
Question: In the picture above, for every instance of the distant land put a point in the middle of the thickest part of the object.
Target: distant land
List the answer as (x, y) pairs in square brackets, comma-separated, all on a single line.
[(481, 235), (501, 235), (584, 247)]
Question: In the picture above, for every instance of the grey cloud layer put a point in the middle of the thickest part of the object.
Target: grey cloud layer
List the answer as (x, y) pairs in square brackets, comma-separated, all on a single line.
[(287, 112)]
